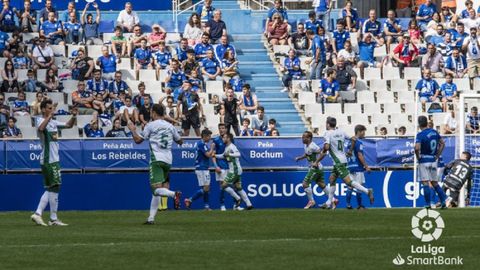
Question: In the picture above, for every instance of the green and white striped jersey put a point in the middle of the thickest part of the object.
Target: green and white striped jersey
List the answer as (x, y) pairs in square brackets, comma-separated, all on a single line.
[(161, 135), (311, 151), (232, 155), (336, 139), (49, 140)]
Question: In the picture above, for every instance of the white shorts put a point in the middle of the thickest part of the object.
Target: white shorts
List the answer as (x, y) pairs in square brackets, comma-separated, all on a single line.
[(427, 171), (221, 175), (440, 173), (203, 178), (358, 177)]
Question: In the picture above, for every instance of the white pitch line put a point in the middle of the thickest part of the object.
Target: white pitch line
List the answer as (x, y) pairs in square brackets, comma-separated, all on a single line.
[(189, 242)]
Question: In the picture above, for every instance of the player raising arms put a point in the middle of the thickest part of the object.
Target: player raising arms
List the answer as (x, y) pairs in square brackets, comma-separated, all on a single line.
[(357, 166), (202, 162), (315, 173), (233, 178), (50, 161), (161, 135), (221, 165), (335, 145), (428, 148), (460, 172)]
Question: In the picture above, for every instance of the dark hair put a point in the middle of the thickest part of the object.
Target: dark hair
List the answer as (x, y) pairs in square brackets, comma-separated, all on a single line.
[(11, 71), (247, 85), (310, 32), (474, 108), (261, 108), (45, 102), (118, 28), (271, 133), (402, 128), (205, 34), (422, 121), (469, 156), (190, 20), (158, 109), (229, 135), (246, 119), (308, 133), (96, 70), (460, 24), (341, 21), (312, 13), (12, 118), (49, 79), (221, 125), (272, 121), (206, 132), (331, 122), (128, 97), (359, 128), (330, 71)]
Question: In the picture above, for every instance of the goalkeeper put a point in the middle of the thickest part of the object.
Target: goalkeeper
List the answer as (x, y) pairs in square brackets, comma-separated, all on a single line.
[(460, 172)]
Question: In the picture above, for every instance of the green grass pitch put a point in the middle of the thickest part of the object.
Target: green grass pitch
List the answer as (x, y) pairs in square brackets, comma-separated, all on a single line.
[(259, 239)]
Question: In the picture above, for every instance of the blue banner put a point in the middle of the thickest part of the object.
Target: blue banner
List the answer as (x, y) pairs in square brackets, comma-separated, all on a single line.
[(103, 4), (2, 156), (115, 154)]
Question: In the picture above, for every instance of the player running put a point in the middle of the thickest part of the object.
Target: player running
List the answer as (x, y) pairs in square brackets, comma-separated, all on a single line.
[(202, 162), (335, 145), (233, 178), (428, 148), (50, 161), (161, 135), (315, 173), (221, 165), (460, 172), (357, 166)]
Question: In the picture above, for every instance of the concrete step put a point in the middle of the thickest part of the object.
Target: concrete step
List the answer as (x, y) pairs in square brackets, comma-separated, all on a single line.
[(248, 44), (269, 83)]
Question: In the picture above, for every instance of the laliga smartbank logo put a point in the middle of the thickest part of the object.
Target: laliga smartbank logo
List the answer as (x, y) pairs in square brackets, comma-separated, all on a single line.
[(427, 226)]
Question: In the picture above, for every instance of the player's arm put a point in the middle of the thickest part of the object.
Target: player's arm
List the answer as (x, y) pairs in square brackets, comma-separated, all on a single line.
[(361, 158), (235, 153), (353, 142), (71, 122), (323, 153), (133, 129), (441, 146), (44, 124), (304, 156), (176, 137)]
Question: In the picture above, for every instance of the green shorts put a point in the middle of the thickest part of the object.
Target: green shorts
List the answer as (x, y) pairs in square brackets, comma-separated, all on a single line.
[(314, 175), (232, 178), (51, 175), (340, 170), (159, 172)]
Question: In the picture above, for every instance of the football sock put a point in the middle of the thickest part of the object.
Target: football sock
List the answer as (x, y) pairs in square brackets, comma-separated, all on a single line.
[(232, 193), (441, 194), (359, 199), (164, 192), (426, 194), (326, 190), (197, 194), (244, 196), (153, 207), (53, 201), (331, 193), (164, 201), (309, 192), (349, 196), (222, 196), (359, 187), (206, 198), (42, 204)]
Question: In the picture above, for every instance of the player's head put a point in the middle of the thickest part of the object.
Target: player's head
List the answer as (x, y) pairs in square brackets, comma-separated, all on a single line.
[(430, 124), (307, 137), (206, 135), (46, 106), (227, 138), (360, 131), (331, 122), (466, 156), (422, 121), (222, 129), (158, 111)]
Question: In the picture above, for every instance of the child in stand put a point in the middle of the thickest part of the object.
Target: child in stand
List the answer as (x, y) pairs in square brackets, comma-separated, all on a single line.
[(245, 130)]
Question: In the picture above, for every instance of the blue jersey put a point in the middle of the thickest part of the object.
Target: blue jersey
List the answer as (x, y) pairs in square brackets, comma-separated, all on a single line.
[(427, 88), (220, 50), (21, 62), (3, 40), (329, 89), (464, 14), (176, 78), (117, 87), (143, 56), (340, 38), (181, 54), (456, 64), (196, 84), (366, 51), (309, 25), (162, 58), (21, 104), (391, 25), (372, 27), (117, 104), (90, 133), (210, 65), (354, 164), (108, 64), (425, 10), (205, 13), (202, 162), (473, 121), (49, 27), (72, 27), (8, 17), (220, 148), (290, 64), (322, 6), (429, 139), (448, 89), (354, 15), (273, 10), (201, 49), (318, 43), (246, 132), (97, 86)]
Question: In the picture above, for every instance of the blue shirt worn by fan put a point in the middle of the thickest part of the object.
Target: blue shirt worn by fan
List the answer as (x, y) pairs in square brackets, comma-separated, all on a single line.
[(354, 164), (317, 43), (220, 148), (202, 162), (429, 139), (427, 88)]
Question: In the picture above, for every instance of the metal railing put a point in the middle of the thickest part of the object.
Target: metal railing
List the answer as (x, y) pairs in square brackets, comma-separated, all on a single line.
[(177, 9), (260, 4)]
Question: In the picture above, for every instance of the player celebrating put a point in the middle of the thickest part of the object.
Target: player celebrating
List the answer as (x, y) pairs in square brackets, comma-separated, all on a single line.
[(460, 172), (232, 155), (50, 161), (335, 144), (161, 135), (428, 148), (357, 166), (202, 162), (315, 173), (221, 165)]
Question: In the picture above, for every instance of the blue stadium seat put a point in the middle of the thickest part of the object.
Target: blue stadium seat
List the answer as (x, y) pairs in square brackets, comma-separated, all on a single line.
[(293, 24), (106, 26), (404, 23)]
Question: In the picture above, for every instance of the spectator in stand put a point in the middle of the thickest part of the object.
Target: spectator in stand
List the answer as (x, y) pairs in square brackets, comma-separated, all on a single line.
[(259, 122), (193, 30), (468, 6), (471, 22), (318, 61), (245, 130), (275, 133), (196, 81), (97, 84), (108, 64), (119, 43), (20, 61), (128, 112), (433, 61), (471, 46), (43, 56), (202, 47), (98, 104), (83, 99), (9, 77), (12, 131), (82, 66), (346, 76), (348, 54), (143, 56), (448, 91), (404, 8), (373, 27), (51, 83), (7, 17), (189, 110), (46, 10), (446, 15), (181, 50), (31, 83), (135, 40), (190, 64), (20, 105), (248, 102), (157, 36), (322, 9), (162, 58), (229, 66), (383, 131), (458, 34), (138, 100), (329, 88), (117, 130), (392, 29), (272, 126), (456, 64), (366, 48), (299, 40), (428, 89), (449, 123), (292, 70), (215, 27), (27, 17), (473, 121), (340, 36), (402, 131), (446, 46), (144, 111), (277, 30), (52, 30), (4, 112), (175, 78), (90, 26), (128, 18), (224, 46), (351, 16), (230, 105), (405, 54), (35, 107), (277, 8), (211, 67), (170, 108), (313, 23), (414, 32), (92, 130), (73, 30), (205, 11), (118, 86), (65, 16), (425, 13), (431, 28), (438, 36)]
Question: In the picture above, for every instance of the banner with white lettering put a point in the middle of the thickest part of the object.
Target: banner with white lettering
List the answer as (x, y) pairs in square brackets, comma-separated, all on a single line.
[(102, 4), (115, 154)]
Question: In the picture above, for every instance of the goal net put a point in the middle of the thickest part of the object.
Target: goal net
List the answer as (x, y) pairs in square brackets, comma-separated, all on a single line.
[(471, 143)]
